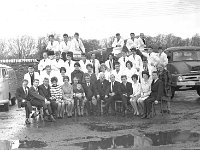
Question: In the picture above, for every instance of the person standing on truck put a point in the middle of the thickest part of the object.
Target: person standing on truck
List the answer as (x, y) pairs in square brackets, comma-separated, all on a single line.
[(77, 46), (117, 45), (132, 42), (52, 46)]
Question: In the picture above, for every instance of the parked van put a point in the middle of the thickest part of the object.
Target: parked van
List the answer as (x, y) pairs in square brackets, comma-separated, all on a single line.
[(8, 85)]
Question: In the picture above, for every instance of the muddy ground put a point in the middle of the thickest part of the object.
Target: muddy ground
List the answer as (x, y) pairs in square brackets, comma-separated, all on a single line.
[(179, 130)]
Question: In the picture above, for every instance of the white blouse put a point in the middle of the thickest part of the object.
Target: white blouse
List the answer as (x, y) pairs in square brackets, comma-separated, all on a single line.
[(136, 88), (145, 87), (129, 73)]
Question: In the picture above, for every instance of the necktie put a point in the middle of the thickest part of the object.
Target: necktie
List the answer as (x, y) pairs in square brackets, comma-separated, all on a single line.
[(124, 59), (25, 90), (93, 62), (88, 84), (69, 63), (110, 65), (57, 60), (153, 82), (111, 87)]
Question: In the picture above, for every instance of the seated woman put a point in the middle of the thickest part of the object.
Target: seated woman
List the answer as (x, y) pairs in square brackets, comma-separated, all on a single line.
[(136, 93), (145, 91), (56, 95), (79, 96), (129, 70), (68, 96), (104, 70)]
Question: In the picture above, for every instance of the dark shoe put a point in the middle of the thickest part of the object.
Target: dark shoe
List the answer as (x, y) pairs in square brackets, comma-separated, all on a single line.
[(52, 118), (27, 121), (144, 116), (47, 119), (34, 115)]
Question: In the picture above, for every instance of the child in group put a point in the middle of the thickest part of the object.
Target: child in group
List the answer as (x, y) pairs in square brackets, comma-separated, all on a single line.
[(79, 97), (56, 95)]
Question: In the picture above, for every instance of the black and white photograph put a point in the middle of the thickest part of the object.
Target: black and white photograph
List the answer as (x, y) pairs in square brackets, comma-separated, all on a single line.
[(100, 75)]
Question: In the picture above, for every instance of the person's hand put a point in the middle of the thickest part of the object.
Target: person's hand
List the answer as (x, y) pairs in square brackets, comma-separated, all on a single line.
[(98, 96), (23, 100), (106, 96), (47, 102), (156, 102)]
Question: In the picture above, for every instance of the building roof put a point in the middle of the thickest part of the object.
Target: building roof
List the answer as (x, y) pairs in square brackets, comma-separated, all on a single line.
[(183, 48)]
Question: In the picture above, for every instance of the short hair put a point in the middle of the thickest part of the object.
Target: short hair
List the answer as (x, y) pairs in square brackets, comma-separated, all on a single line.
[(30, 66), (112, 75), (76, 33), (36, 80), (89, 65), (150, 47), (57, 53), (24, 80), (48, 66), (123, 76), (83, 54), (145, 72), (134, 76), (103, 65), (155, 72), (117, 63), (110, 54), (117, 34), (132, 33), (133, 49), (54, 79), (160, 48), (51, 36), (65, 77), (46, 79), (65, 35), (87, 75), (62, 69), (129, 62), (77, 64)]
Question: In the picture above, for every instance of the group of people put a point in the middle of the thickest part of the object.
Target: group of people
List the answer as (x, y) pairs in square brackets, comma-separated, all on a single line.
[(63, 86)]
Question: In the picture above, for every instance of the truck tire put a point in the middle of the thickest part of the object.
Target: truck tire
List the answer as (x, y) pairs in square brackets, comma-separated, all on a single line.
[(198, 91), (13, 101), (6, 107)]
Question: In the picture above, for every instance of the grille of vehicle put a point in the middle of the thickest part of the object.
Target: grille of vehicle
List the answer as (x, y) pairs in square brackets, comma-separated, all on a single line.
[(191, 78)]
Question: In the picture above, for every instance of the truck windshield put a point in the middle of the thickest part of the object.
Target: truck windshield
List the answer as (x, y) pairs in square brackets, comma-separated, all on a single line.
[(186, 55)]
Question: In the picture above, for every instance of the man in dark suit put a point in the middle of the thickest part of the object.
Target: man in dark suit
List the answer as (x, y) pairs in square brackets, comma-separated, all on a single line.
[(126, 90), (37, 100), (102, 86), (93, 78), (113, 93), (156, 94), (21, 96), (90, 93), (44, 90)]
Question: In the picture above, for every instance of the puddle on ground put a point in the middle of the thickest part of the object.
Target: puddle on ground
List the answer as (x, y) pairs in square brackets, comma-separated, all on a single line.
[(135, 141), (9, 145), (107, 127)]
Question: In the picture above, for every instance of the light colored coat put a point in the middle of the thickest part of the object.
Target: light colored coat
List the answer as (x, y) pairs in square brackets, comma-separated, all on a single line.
[(77, 46), (55, 47), (117, 50)]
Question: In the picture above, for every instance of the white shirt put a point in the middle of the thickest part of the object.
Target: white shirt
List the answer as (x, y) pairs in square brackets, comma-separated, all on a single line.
[(117, 75), (28, 77), (129, 73), (140, 44), (53, 47), (130, 43), (122, 60), (65, 47), (145, 87), (136, 88), (109, 64), (136, 60), (97, 66), (83, 65), (77, 46), (162, 58), (117, 50), (43, 63), (69, 66), (56, 65)]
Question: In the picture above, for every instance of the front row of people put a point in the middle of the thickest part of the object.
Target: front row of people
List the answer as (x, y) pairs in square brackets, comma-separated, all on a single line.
[(87, 98)]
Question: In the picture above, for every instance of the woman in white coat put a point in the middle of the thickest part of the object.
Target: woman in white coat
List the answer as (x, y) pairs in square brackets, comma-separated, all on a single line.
[(129, 71)]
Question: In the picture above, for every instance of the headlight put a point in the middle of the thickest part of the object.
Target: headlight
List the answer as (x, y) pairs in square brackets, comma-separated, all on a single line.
[(180, 78)]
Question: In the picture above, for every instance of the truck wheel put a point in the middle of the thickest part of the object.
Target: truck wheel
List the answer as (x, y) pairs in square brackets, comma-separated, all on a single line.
[(13, 101), (173, 92), (198, 91), (6, 107)]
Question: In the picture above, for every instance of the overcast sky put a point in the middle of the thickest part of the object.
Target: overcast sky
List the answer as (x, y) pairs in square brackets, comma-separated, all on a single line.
[(99, 18)]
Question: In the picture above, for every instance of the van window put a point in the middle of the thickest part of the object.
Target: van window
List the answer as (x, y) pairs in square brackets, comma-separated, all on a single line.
[(4, 72)]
